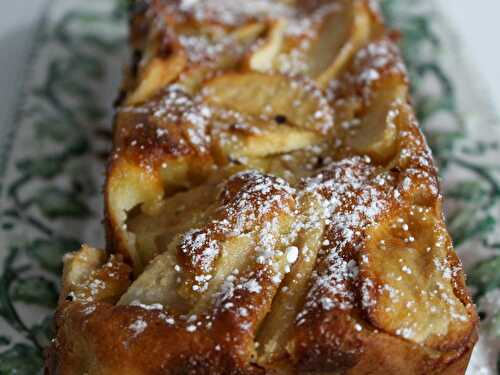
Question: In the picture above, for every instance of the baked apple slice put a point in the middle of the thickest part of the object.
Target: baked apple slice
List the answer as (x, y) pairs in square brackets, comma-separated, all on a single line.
[(270, 96), (376, 133), (360, 30), (262, 59)]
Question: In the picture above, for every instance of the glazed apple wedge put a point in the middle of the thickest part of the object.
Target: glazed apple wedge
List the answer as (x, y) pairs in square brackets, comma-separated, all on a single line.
[(271, 96)]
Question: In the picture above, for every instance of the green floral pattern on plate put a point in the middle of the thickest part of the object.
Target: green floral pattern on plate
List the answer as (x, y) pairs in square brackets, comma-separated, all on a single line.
[(50, 200)]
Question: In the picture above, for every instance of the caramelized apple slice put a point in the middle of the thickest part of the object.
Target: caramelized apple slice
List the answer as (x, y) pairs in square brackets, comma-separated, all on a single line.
[(248, 33), (271, 141), (408, 282), (128, 186), (243, 37), (275, 330), (259, 94), (262, 59), (91, 276), (250, 215), (332, 34), (156, 285), (79, 265), (237, 136), (377, 131), (155, 227), (359, 30), (156, 74)]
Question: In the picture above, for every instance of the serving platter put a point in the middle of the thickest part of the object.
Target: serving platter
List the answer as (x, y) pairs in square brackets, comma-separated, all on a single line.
[(53, 152)]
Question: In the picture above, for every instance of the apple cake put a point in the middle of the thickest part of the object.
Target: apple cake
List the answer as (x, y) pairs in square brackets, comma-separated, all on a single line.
[(272, 206)]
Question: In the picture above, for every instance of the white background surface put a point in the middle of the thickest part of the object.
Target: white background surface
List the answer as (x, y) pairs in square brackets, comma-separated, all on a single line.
[(475, 21), (17, 23), (477, 24)]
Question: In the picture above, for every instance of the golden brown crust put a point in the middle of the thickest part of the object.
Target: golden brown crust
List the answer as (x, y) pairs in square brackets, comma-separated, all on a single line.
[(271, 206)]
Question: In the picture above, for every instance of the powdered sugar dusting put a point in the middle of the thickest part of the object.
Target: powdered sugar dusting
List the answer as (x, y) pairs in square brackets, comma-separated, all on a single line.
[(138, 326), (352, 199), (257, 197), (231, 12)]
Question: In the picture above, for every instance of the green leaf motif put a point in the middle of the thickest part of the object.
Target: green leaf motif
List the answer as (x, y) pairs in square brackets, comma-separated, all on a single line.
[(90, 66), (427, 106), (54, 203), (78, 147), (35, 290), (121, 9), (100, 43), (53, 129), (466, 226), (75, 88), (443, 143), (7, 226), (485, 276), (481, 148), (49, 252), (471, 190), (7, 309), (93, 112), (21, 359), (46, 167)]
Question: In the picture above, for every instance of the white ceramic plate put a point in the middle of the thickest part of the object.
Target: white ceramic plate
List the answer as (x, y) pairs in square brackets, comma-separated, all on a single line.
[(54, 139)]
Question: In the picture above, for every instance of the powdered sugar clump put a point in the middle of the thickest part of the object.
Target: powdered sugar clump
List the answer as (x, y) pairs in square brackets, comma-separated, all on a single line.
[(138, 326)]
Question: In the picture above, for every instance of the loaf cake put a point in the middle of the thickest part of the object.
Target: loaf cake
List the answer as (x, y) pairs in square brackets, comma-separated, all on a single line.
[(272, 206)]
